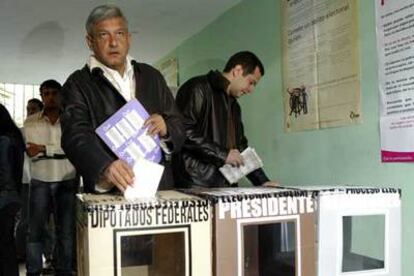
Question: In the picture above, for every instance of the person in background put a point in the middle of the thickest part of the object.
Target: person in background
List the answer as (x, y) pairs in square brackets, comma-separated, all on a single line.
[(92, 94), (213, 123), (11, 169), (53, 183), (33, 106)]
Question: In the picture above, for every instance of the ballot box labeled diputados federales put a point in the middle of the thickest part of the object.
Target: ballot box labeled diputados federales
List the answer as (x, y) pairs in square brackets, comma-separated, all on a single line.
[(262, 231), (168, 235)]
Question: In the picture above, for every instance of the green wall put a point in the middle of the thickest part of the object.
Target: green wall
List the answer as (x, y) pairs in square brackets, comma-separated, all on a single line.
[(347, 155)]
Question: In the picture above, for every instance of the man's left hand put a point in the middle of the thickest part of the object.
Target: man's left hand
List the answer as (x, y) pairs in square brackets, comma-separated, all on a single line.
[(156, 125), (271, 184), (33, 149)]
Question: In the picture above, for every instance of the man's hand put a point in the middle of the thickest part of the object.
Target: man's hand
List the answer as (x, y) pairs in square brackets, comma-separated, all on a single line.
[(234, 158), (156, 125), (120, 174), (33, 149), (271, 184)]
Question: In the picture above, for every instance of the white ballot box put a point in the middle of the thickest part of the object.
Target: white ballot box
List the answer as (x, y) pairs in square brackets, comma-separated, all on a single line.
[(359, 231), (262, 231), (168, 235)]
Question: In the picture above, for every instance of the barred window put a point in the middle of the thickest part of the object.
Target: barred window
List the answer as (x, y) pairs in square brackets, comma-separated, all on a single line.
[(15, 96)]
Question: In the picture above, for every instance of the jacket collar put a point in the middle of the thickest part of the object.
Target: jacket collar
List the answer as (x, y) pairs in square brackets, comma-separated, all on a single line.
[(217, 81), (98, 71)]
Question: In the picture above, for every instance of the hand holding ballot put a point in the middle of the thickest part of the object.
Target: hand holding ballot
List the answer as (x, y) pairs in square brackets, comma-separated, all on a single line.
[(156, 125), (234, 158), (250, 161), (133, 135), (120, 174)]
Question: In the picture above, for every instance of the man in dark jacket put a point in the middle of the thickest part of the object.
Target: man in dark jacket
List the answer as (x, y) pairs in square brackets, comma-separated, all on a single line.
[(212, 119), (91, 95)]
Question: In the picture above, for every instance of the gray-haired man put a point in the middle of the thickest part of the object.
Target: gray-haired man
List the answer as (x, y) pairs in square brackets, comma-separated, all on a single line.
[(91, 95)]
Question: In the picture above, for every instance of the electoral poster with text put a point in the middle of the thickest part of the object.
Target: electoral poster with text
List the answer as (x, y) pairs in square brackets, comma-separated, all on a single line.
[(321, 74), (395, 38)]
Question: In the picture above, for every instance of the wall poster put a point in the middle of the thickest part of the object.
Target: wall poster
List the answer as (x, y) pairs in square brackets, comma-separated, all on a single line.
[(395, 38), (321, 74)]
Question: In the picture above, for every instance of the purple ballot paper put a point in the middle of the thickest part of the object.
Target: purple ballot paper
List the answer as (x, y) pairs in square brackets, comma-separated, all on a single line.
[(123, 132)]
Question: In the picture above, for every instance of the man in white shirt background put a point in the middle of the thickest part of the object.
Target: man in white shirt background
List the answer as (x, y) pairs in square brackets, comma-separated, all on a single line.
[(53, 183), (33, 106)]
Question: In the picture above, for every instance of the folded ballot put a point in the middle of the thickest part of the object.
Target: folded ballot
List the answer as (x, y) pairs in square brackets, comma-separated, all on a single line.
[(251, 161), (147, 177)]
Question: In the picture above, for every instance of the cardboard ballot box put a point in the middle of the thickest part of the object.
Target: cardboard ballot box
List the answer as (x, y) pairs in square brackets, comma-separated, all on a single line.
[(169, 235), (262, 231), (359, 231)]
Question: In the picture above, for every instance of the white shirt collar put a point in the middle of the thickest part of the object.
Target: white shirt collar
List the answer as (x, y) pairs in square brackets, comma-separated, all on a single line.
[(41, 116), (124, 84), (94, 63)]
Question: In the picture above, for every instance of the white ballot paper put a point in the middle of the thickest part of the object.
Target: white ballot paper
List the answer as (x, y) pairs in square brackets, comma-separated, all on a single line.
[(147, 178), (251, 161)]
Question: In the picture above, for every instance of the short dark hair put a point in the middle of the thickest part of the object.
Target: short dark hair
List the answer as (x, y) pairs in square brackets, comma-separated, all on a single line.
[(37, 102), (50, 84), (247, 60)]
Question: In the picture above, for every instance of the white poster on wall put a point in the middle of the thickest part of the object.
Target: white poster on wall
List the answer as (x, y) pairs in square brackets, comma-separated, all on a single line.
[(395, 40), (321, 76)]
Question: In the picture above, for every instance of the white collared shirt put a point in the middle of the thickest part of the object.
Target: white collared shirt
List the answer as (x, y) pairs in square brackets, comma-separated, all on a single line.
[(124, 84), (39, 130)]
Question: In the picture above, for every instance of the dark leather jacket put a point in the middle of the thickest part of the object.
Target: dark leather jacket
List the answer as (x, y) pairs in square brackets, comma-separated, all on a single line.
[(205, 106), (11, 169), (88, 99)]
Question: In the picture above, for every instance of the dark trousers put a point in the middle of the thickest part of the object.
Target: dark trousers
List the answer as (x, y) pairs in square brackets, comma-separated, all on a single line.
[(21, 229), (8, 260), (48, 239), (60, 195)]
